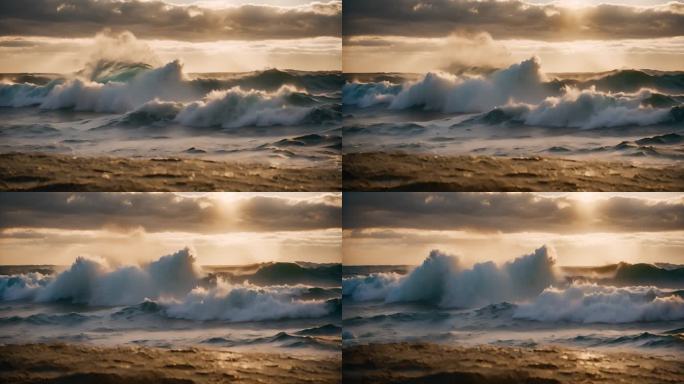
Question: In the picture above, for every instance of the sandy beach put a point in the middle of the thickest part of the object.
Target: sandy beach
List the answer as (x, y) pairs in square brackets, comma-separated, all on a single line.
[(379, 171), (53, 172), (69, 363), (433, 363)]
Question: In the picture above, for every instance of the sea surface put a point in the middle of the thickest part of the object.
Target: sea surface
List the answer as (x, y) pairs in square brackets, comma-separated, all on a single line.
[(528, 302), (172, 302), (628, 115), (136, 110)]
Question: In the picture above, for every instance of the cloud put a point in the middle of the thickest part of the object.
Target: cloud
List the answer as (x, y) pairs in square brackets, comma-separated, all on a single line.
[(166, 212), (511, 19), (509, 213), (161, 20), (263, 212)]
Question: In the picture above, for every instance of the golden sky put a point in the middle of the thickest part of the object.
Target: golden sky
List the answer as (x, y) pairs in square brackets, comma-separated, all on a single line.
[(584, 228), (568, 36), (223, 228), (58, 36)]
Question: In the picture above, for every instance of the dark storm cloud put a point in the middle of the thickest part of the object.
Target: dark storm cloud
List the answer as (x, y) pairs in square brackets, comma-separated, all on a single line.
[(156, 19), (269, 212), (510, 19), (163, 212), (508, 213)]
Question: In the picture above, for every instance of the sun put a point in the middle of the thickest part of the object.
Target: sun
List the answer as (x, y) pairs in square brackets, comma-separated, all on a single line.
[(586, 197)]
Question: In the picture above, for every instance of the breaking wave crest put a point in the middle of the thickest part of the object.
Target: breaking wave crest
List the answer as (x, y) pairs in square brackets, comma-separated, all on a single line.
[(591, 303), (173, 286), (522, 93), (442, 281), (93, 281), (586, 109), (246, 302), (166, 93), (237, 108)]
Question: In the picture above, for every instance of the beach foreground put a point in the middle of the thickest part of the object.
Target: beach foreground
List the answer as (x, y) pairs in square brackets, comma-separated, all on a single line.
[(433, 363), (378, 171), (53, 172), (69, 363)]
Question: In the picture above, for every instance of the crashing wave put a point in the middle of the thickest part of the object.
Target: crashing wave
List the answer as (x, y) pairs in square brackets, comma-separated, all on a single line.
[(442, 281), (585, 109), (592, 303), (521, 93), (173, 286)]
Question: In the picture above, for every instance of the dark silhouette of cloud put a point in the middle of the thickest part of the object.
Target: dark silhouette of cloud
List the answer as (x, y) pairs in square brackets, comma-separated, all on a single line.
[(157, 19), (165, 212), (510, 19), (509, 213)]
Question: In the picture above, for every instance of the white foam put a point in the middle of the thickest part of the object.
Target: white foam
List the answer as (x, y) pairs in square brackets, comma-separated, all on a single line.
[(591, 303), (588, 109), (245, 302), (93, 281), (236, 107), (449, 93)]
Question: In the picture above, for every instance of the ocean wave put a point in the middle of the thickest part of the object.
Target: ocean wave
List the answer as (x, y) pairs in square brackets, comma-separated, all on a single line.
[(442, 281), (153, 95), (592, 303), (246, 302), (107, 70), (631, 80), (585, 109), (67, 319), (641, 340), (22, 286), (167, 82), (175, 287), (323, 330), (522, 93), (237, 108), (441, 91), (408, 317), (289, 273), (368, 94), (93, 281), (280, 339), (272, 79)]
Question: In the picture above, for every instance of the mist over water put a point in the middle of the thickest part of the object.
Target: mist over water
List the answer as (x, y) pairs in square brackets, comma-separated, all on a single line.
[(173, 301), (633, 115), (527, 301)]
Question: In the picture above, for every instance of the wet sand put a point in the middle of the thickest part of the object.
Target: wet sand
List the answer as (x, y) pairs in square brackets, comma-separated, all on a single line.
[(50, 172), (413, 172), (432, 363), (68, 363)]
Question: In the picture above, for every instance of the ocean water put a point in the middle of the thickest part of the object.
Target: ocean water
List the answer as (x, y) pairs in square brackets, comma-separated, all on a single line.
[(173, 302), (135, 110), (628, 115), (528, 302)]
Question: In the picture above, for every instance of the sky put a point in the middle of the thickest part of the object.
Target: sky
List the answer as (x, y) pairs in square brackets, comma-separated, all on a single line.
[(568, 36), (584, 228), (60, 36), (129, 228)]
